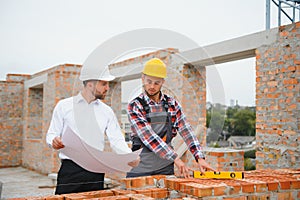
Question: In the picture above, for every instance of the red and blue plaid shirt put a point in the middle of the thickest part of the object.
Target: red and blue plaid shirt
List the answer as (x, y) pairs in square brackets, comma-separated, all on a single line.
[(141, 127)]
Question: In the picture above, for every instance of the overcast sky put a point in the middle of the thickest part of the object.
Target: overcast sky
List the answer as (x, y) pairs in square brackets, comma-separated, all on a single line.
[(37, 35)]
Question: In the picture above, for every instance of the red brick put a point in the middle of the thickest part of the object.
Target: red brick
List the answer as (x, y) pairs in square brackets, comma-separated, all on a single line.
[(159, 193), (54, 197), (202, 190), (138, 182), (139, 197), (247, 187), (146, 192), (284, 195), (295, 184), (122, 192)]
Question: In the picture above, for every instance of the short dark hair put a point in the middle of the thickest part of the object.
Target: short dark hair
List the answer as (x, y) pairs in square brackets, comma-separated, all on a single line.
[(84, 83)]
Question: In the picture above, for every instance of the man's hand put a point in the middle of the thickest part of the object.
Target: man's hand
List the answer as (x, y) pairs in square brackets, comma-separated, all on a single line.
[(134, 163), (204, 165), (57, 143), (183, 169)]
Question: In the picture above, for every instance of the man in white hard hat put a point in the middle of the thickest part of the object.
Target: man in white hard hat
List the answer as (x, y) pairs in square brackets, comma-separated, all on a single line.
[(88, 116)]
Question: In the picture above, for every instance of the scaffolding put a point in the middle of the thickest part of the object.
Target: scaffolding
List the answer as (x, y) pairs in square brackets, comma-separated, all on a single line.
[(282, 6)]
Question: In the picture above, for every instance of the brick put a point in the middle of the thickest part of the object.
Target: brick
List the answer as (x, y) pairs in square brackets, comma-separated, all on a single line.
[(138, 182), (295, 184), (122, 192), (119, 197), (74, 196), (247, 187), (284, 195), (126, 182), (54, 197), (159, 193), (233, 187), (146, 192), (202, 190), (139, 197)]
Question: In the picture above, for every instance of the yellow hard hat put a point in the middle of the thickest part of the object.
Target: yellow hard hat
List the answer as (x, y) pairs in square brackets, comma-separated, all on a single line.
[(155, 67)]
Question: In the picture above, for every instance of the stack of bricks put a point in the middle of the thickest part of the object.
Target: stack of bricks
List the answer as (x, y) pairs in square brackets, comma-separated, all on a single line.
[(258, 184)]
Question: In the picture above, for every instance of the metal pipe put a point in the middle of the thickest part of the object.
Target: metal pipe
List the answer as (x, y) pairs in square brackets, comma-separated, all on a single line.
[(268, 14), (279, 13)]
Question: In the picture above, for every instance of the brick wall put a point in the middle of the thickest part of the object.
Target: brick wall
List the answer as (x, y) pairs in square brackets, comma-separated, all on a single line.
[(278, 101), (11, 124), (225, 159), (61, 82)]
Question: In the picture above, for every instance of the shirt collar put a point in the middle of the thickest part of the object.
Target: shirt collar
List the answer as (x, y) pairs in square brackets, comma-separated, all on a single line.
[(79, 98)]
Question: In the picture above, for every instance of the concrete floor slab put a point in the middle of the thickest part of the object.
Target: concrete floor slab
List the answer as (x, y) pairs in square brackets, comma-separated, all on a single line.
[(20, 182)]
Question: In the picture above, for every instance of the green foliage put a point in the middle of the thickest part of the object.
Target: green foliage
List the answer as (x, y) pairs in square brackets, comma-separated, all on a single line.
[(235, 121), (215, 118), (250, 154), (248, 165), (244, 123)]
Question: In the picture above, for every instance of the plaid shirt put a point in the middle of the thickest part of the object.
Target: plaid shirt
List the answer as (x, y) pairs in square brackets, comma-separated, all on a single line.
[(141, 127)]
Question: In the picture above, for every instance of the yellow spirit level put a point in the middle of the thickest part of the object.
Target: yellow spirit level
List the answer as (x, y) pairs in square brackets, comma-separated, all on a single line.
[(219, 175)]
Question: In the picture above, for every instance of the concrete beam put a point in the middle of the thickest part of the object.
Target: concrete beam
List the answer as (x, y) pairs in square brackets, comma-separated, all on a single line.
[(230, 50), (36, 82)]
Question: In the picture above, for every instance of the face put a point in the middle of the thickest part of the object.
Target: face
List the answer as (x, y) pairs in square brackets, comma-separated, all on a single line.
[(152, 85), (99, 89)]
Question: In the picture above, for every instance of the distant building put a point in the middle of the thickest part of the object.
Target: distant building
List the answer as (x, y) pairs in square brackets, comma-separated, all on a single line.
[(241, 142)]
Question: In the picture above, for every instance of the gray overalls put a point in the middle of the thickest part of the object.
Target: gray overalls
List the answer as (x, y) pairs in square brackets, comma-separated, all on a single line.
[(150, 163)]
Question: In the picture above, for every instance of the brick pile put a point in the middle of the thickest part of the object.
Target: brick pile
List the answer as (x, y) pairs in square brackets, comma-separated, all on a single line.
[(258, 184)]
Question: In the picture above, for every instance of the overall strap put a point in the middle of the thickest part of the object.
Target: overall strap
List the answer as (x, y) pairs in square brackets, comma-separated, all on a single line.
[(145, 106), (165, 103), (166, 106)]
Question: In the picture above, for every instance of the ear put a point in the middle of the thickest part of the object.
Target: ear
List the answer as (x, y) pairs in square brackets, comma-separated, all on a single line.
[(143, 77), (90, 84)]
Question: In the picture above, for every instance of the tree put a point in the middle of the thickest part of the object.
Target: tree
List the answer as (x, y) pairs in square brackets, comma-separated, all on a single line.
[(244, 123), (215, 123)]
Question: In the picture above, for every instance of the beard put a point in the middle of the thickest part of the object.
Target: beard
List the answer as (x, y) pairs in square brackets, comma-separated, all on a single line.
[(100, 96), (152, 95)]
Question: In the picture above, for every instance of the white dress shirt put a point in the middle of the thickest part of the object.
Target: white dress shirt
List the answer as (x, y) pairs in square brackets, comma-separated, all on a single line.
[(90, 121)]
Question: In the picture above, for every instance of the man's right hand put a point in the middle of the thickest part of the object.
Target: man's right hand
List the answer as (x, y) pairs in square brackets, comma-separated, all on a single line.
[(183, 169), (57, 143)]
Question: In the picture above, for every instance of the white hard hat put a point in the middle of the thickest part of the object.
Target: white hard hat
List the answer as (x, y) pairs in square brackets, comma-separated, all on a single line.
[(95, 73)]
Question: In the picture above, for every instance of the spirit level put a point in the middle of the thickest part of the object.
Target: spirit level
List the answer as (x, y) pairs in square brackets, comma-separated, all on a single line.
[(219, 175)]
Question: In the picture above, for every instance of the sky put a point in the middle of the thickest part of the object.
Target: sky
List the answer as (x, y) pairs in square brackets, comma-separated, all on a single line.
[(39, 34)]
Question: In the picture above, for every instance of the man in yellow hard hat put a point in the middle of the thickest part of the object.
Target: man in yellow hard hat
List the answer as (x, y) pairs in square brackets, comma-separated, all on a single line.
[(155, 119)]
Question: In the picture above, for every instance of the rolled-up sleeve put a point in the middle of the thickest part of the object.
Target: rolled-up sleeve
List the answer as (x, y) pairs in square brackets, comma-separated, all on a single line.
[(56, 124)]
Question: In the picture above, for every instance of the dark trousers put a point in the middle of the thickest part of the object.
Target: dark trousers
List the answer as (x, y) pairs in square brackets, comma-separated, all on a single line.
[(72, 178)]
